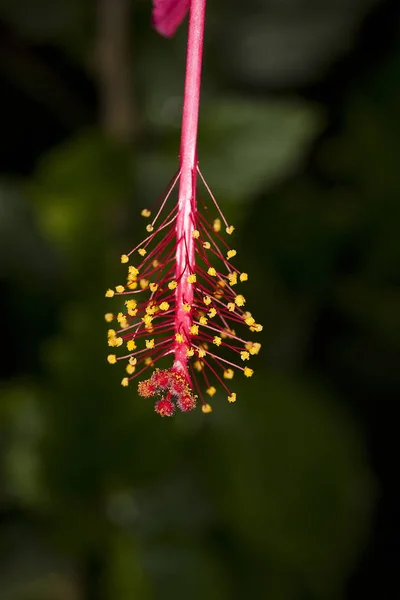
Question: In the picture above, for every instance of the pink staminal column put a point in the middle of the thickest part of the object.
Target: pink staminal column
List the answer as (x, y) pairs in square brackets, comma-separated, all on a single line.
[(186, 216)]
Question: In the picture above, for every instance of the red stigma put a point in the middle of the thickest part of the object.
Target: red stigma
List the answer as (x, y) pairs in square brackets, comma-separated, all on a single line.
[(164, 407), (186, 403), (146, 388), (160, 379), (178, 385)]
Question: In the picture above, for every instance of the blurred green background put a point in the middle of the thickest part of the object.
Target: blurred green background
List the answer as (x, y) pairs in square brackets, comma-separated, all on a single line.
[(289, 494)]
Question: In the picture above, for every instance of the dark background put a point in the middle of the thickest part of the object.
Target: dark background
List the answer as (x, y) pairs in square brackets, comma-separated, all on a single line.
[(291, 493)]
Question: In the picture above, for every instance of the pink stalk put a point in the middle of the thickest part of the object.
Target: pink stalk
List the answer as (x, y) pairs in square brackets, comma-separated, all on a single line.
[(187, 206)]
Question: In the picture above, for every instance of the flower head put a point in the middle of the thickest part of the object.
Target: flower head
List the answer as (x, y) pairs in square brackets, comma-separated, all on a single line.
[(180, 299)]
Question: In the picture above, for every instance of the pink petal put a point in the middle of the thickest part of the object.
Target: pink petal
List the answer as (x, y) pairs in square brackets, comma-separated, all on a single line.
[(168, 15)]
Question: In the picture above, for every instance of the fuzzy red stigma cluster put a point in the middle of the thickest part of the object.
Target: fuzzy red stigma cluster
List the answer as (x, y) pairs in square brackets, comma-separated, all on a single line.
[(181, 300), (172, 389)]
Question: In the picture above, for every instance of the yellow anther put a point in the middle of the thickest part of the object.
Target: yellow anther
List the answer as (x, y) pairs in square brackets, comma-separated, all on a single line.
[(164, 306), (191, 278), (217, 340), (228, 374), (153, 287), (203, 321), (133, 271), (248, 372), (172, 285), (115, 342), (146, 213), (217, 225), (119, 289), (131, 345), (111, 333), (186, 307), (189, 352), (124, 258), (198, 365), (110, 293), (132, 312), (253, 347), (211, 391), (124, 323), (231, 306), (148, 361), (179, 338), (149, 344), (142, 251), (257, 327), (125, 382), (226, 333), (244, 355), (194, 330), (132, 285), (206, 408), (147, 319), (201, 352), (212, 312), (130, 304), (231, 254), (120, 317), (108, 317), (132, 361), (149, 228), (155, 263), (130, 369), (221, 283), (243, 277), (232, 397), (207, 300), (206, 245), (240, 300), (211, 271), (144, 283), (196, 234), (112, 359), (250, 321), (232, 278), (230, 229)]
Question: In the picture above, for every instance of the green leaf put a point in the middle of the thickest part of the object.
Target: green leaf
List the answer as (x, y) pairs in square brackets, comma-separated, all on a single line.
[(76, 187), (247, 146), (298, 489), (56, 21)]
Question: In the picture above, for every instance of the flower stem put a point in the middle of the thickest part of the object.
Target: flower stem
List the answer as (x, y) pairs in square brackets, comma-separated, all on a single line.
[(185, 248)]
